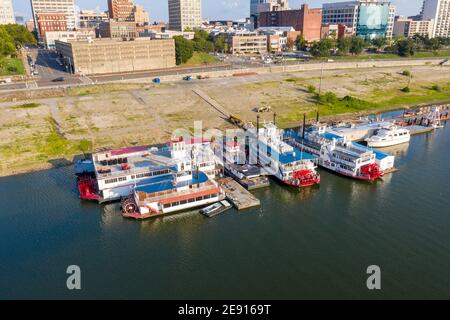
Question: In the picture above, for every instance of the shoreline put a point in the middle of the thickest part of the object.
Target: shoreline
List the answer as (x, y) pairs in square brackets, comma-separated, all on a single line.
[(327, 119)]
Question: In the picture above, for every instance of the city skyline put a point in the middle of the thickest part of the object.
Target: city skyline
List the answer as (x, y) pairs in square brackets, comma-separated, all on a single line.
[(235, 9)]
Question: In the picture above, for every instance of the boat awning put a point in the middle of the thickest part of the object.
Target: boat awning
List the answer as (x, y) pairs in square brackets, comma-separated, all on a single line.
[(286, 158), (164, 183)]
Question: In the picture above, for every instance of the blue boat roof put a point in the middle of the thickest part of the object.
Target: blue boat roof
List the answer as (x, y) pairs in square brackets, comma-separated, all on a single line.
[(165, 182), (378, 154), (286, 158), (330, 136)]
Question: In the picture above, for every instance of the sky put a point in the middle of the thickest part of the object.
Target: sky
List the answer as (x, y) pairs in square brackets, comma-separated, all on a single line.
[(212, 9)]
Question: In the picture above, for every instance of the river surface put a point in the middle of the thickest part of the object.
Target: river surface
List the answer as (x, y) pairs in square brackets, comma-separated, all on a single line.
[(312, 243)]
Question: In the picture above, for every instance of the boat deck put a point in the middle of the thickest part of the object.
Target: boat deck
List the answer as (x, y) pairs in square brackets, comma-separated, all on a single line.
[(237, 194)]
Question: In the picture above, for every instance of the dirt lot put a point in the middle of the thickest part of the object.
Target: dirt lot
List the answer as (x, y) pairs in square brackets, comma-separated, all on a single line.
[(34, 135)]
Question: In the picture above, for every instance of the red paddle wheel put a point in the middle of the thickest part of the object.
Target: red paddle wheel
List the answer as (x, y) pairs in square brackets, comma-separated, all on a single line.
[(87, 188), (307, 178), (371, 171)]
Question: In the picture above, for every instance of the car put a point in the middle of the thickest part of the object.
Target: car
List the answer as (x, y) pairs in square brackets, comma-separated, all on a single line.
[(59, 79), (35, 73), (187, 78)]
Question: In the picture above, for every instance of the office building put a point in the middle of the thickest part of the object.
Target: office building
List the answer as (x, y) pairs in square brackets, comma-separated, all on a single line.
[(408, 27), (51, 21), (113, 55), (185, 14), (257, 6), (367, 18), (6, 12), (439, 11), (91, 19), (306, 20), (66, 7), (246, 43), (122, 10), (52, 36), (141, 16), (118, 29)]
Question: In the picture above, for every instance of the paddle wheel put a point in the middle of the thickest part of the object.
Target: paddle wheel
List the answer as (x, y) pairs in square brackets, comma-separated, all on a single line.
[(87, 188), (307, 178), (371, 172), (129, 206)]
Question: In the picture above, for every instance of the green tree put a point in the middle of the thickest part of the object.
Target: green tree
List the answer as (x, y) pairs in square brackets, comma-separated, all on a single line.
[(300, 42), (432, 44), (202, 41), (405, 47), (344, 45), (20, 35), (7, 47), (322, 48), (379, 42), (220, 44), (184, 49), (357, 45)]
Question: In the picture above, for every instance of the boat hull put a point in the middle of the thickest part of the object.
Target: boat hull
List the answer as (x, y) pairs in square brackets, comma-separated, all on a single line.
[(384, 144)]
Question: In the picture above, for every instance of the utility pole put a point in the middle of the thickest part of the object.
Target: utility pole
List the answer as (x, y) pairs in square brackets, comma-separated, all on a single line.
[(320, 82)]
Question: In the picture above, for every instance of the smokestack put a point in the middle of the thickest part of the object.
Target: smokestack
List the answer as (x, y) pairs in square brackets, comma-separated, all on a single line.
[(304, 126), (257, 138)]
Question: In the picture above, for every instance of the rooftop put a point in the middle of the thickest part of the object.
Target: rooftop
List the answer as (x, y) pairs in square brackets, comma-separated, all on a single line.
[(164, 183)]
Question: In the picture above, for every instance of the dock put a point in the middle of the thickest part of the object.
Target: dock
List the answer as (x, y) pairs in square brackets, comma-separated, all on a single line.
[(417, 129), (237, 194)]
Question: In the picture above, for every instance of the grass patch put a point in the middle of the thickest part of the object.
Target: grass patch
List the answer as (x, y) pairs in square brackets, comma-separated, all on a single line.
[(199, 58), (31, 105), (11, 67), (381, 56)]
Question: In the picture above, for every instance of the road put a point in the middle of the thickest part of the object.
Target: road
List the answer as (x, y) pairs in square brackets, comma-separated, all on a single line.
[(49, 69)]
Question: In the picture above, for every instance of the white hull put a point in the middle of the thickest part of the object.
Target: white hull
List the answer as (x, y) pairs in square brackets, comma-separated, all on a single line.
[(387, 143)]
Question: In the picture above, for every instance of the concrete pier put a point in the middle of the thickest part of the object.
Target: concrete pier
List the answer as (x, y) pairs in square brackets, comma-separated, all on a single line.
[(237, 194)]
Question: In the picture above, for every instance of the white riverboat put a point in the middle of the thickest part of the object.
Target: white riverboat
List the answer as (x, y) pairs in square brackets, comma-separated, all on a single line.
[(112, 174)]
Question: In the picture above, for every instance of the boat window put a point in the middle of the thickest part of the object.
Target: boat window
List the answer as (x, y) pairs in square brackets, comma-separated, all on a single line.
[(183, 201)]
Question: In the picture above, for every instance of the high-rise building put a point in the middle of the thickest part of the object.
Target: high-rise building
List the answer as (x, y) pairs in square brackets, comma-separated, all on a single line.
[(439, 11), (255, 4), (92, 19), (51, 21), (122, 10), (185, 14), (141, 16), (61, 6), (367, 18), (408, 27), (6, 12)]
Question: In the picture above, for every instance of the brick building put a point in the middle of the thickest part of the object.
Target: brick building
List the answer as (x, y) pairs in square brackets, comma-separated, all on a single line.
[(51, 21), (306, 20), (121, 10), (115, 55)]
